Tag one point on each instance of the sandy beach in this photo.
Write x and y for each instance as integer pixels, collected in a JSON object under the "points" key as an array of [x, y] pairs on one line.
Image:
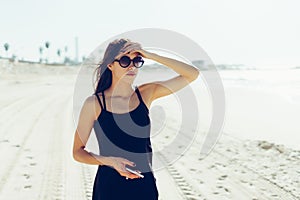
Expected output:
{"points": [[37, 126]]}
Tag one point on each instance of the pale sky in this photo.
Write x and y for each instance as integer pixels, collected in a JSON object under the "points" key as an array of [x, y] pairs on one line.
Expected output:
{"points": [[261, 33]]}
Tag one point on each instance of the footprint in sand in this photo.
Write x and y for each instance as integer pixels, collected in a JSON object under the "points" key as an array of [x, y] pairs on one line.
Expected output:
{"points": [[243, 181], [211, 166], [227, 190], [223, 177], [263, 189], [27, 186], [27, 176], [200, 181], [274, 195]]}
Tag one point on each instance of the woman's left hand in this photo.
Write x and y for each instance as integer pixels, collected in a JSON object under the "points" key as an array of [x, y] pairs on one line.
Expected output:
{"points": [[136, 47], [144, 53]]}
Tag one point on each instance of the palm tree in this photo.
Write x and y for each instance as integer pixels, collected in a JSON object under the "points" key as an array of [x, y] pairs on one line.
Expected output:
{"points": [[59, 54], [41, 49], [47, 45], [6, 47], [66, 56]]}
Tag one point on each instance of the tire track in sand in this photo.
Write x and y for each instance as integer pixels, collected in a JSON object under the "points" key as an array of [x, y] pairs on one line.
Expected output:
{"points": [[12, 157]]}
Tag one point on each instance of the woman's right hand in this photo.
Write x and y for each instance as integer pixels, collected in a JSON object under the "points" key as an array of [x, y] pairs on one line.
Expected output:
{"points": [[119, 164]]}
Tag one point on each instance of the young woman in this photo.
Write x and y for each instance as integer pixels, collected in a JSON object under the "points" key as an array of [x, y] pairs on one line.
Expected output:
{"points": [[119, 115]]}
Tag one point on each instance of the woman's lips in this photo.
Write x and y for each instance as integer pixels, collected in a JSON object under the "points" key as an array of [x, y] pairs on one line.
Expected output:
{"points": [[130, 74]]}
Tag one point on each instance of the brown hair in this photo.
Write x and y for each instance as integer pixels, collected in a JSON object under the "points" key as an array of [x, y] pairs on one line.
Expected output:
{"points": [[103, 74]]}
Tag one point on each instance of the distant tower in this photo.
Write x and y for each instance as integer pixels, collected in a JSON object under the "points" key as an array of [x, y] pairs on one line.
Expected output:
{"points": [[76, 49]]}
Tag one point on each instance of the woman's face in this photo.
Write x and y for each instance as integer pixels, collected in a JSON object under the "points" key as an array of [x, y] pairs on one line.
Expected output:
{"points": [[125, 74]]}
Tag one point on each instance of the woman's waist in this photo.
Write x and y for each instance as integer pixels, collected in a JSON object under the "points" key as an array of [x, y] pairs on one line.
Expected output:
{"points": [[108, 170], [142, 162]]}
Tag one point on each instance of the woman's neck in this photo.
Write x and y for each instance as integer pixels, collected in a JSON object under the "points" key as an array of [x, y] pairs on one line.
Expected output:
{"points": [[120, 90]]}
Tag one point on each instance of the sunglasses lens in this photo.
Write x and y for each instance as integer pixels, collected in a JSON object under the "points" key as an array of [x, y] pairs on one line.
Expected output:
{"points": [[138, 62], [125, 61]]}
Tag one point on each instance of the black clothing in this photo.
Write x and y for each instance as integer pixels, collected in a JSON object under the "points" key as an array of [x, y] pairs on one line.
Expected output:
{"points": [[125, 135]]}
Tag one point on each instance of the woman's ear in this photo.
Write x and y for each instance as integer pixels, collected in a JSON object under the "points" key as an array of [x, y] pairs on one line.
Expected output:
{"points": [[109, 67]]}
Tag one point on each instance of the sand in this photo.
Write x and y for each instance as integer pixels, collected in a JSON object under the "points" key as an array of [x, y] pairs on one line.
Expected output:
{"points": [[36, 138]]}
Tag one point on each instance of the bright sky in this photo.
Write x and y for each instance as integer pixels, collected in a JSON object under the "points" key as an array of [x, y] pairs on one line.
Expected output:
{"points": [[262, 33]]}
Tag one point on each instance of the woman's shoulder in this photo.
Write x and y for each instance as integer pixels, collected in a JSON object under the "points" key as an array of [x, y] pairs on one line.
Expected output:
{"points": [[146, 91], [91, 105], [93, 98], [145, 87]]}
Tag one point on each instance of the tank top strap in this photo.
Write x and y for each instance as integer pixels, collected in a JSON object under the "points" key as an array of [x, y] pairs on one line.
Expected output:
{"points": [[103, 97], [138, 94], [141, 99], [99, 100]]}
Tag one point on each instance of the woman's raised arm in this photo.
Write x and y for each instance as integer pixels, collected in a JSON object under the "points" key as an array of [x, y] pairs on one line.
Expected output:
{"points": [[187, 74]]}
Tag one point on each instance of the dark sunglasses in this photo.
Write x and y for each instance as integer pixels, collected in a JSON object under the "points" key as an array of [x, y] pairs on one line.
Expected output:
{"points": [[125, 61]]}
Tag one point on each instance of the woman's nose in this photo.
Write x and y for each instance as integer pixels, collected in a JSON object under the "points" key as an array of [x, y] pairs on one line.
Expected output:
{"points": [[131, 66]]}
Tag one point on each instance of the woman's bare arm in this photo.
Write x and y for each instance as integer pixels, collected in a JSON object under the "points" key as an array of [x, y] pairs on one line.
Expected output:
{"points": [[187, 74], [82, 133], [86, 121]]}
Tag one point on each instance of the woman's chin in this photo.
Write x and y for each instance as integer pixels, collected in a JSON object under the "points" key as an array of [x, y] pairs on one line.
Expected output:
{"points": [[128, 79]]}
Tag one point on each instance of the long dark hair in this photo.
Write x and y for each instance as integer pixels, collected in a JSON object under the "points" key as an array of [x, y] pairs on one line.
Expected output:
{"points": [[103, 73]]}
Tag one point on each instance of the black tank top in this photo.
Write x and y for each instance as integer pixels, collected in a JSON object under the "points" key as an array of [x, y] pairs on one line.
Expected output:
{"points": [[125, 135]]}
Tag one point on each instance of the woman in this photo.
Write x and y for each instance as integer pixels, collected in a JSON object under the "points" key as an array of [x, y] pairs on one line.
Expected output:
{"points": [[119, 115]]}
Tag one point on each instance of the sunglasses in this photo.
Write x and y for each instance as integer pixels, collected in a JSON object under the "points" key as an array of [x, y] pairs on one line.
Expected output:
{"points": [[125, 61]]}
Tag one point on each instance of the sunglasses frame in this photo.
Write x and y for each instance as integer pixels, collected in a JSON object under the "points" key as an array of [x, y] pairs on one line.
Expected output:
{"points": [[131, 60]]}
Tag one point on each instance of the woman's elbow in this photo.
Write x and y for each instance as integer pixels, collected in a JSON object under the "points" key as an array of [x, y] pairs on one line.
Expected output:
{"points": [[196, 74], [193, 77], [76, 154]]}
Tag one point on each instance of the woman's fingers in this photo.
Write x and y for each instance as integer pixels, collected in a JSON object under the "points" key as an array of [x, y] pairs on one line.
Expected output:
{"points": [[127, 162], [131, 47], [129, 175], [120, 166]]}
